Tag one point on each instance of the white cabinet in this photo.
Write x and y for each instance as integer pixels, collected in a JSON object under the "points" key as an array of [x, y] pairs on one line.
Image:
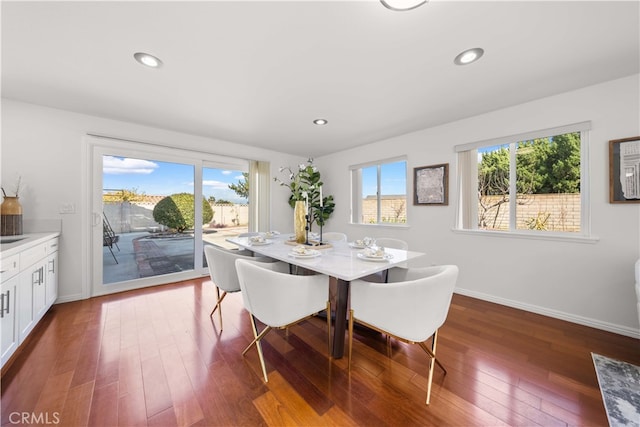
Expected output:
{"points": [[29, 288], [8, 318], [51, 280]]}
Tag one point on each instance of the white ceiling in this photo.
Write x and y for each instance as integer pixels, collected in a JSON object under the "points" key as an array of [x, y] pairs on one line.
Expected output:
{"points": [[259, 72]]}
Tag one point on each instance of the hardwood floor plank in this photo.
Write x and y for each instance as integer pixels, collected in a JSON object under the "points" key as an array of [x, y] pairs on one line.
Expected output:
{"points": [[186, 408], [104, 406], [154, 357], [273, 412], [156, 390], [131, 408], [293, 403], [77, 406]]}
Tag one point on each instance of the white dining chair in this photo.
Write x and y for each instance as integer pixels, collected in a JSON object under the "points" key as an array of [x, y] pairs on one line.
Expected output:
{"points": [[411, 307], [279, 300], [389, 242], [222, 271], [334, 236]]}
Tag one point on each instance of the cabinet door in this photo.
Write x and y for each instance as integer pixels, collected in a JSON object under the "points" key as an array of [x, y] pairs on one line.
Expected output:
{"points": [[26, 313], [39, 289], [51, 280], [8, 318]]}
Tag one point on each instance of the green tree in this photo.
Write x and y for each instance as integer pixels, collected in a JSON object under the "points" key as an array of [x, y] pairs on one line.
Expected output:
{"points": [[543, 165], [242, 187], [564, 164], [177, 212], [493, 172]]}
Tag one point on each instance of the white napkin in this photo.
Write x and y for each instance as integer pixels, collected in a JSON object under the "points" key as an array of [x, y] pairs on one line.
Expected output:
{"points": [[374, 251], [300, 250]]}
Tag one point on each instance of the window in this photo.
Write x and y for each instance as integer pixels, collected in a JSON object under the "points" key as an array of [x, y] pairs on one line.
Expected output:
{"points": [[529, 183], [379, 192]]}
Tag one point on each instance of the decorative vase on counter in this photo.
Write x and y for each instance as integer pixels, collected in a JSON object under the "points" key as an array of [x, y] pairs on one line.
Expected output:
{"points": [[10, 216], [299, 221]]}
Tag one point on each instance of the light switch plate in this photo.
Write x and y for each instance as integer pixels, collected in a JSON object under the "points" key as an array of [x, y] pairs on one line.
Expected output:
{"points": [[67, 208]]}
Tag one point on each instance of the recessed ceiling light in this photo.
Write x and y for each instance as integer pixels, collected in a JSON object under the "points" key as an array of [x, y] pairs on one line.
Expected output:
{"points": [[401, 5], [320, 122], [468, 56], [147, 60]]}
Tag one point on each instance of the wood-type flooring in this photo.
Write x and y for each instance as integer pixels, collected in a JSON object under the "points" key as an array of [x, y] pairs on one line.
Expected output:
{"points": [[154, 357]]}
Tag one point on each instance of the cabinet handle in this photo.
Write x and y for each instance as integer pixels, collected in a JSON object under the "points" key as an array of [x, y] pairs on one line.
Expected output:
{"points": [[6, 309], [52, 266], [2, 305], [41, 276]]}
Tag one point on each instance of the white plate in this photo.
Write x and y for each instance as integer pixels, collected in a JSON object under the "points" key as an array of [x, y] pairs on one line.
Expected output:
{"points": [[311, 253], [356, 246], [266, 242], [385, 257]]}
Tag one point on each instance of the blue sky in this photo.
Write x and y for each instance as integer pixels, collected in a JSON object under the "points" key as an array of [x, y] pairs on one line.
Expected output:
{"points": [[155, 178], [393, 179]]}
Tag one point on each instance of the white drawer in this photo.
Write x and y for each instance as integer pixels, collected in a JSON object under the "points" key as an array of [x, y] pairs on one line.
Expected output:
{"points": [[52, 246], [32, 255], [9, 267]]}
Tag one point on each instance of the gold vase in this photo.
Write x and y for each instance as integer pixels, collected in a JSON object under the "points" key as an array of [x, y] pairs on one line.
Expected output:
{"points": [[10, 217], [299, 221]]}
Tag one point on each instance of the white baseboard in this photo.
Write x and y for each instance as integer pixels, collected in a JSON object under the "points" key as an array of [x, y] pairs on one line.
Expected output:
{"points": [[585, 321], [69, 298]]}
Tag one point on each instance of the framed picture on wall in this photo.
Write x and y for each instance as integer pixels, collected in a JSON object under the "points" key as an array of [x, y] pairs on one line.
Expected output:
{"points": [[624, 170], [430, 185]]}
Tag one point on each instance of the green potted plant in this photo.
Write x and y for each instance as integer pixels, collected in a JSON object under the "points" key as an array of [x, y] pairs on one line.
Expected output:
{"points": [[305, 186]]}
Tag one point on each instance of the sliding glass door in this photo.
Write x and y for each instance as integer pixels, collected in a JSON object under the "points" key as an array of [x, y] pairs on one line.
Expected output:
{"points": [[154, 210]]}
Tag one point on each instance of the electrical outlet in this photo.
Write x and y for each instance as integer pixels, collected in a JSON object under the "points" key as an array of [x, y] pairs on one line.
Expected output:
{"points": [[67, 208]]}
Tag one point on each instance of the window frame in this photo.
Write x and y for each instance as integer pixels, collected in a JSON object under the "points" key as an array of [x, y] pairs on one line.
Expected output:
{"points": [[355, 172], [467, 211]]}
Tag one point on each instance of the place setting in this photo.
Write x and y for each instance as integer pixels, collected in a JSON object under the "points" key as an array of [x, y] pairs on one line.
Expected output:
{"points": [[362, 243], [259, 240], [374, 253], [302, 251]]}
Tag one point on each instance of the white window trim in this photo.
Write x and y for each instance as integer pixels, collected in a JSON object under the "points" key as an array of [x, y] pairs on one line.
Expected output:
{"points": [[584, 235]]}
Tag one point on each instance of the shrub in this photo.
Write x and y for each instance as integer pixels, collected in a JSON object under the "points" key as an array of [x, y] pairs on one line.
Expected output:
{"points": [[177, 211]]}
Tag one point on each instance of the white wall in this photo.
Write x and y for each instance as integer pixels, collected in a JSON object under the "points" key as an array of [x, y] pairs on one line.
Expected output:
{"points": [[588, 283], [44, 146]]}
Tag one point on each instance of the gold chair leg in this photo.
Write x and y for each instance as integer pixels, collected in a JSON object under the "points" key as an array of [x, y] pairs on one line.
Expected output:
{"points": [[218, 305], [350, 336], [432, 363], [433, 350], [256, 341]]}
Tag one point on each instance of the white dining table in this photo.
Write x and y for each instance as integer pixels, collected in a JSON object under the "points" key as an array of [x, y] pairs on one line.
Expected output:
{"points": [[340, 260]]}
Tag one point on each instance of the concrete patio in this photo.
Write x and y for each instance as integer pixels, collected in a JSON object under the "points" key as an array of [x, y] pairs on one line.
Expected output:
{"points": [[144, 254]]}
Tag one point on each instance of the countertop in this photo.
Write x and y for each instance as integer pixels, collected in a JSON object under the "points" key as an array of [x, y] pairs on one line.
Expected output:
{"points": [[25, 241]]}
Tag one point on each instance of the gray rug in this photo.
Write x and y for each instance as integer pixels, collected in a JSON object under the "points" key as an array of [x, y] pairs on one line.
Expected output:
{"points": [[620, 387]]}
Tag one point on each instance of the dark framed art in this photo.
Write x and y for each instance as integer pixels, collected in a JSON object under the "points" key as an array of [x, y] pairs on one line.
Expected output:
{"points": [[430, 185], [624, 170]]}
